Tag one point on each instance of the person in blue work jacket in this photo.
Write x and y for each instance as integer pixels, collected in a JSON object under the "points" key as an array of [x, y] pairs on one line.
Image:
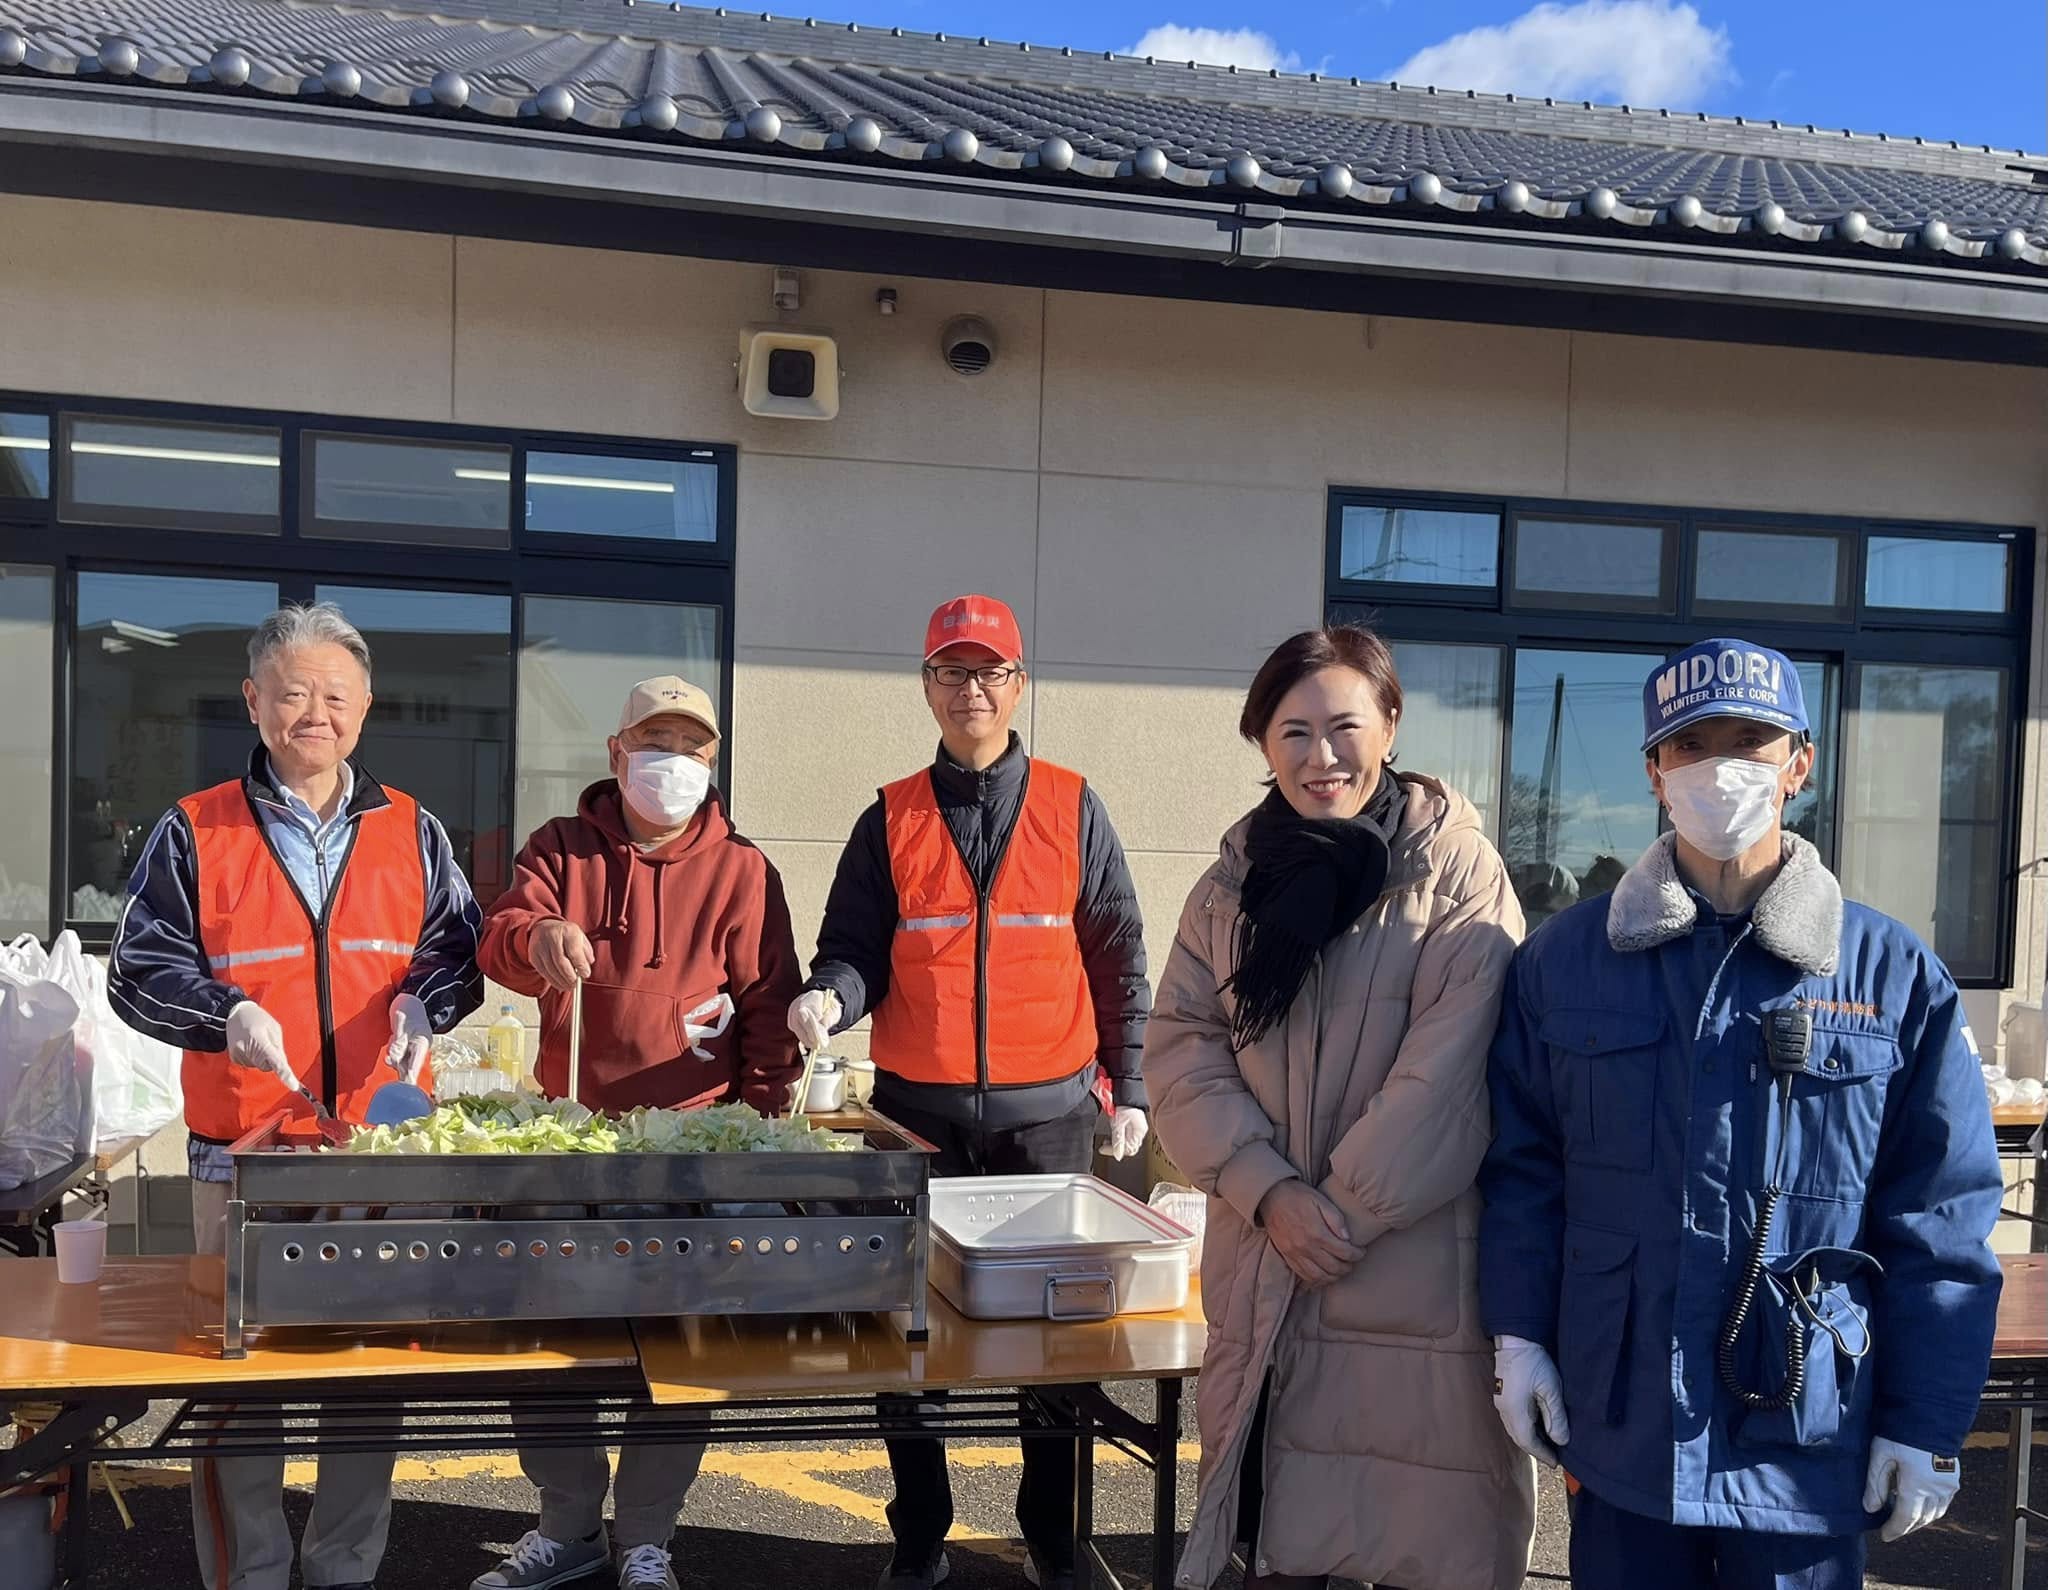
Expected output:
{"points": [[1734, 1254]]}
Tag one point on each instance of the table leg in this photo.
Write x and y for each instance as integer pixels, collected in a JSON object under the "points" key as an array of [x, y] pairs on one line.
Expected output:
{"points": [[1165, 1480], [2019, 1454], [1084, 1493], [80, 1478]]}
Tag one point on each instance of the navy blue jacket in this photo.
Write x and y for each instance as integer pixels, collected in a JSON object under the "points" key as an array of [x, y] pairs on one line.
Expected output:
{"points": [[158, 979], [1635, 1124]]}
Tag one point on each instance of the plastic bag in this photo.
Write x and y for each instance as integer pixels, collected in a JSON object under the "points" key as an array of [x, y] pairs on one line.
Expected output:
{"points": [[2026, 1040], [1185, 1207], [45, 1083], [136, 1087]]}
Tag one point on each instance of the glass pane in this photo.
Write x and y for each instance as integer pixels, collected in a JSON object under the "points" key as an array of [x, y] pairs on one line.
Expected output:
{"points": [[1450, 719], [1579, 804], [1617, 568], [1925, 791], [581, 657], [1811, 815], [654, 499], [365, 489], [1937, 576], [26, 596], [1746, 573], [440, 723], [1420, 546], [24, 457], [156, 713], [150, 472]]}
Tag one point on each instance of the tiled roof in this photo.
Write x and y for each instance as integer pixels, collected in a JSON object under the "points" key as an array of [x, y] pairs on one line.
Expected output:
{"points": [[1023, 113]]}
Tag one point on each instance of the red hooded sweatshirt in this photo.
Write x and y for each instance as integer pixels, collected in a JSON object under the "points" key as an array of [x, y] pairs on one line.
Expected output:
{"points": [[694, 969]]}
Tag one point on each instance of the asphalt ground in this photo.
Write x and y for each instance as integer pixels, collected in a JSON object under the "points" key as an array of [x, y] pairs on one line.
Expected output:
{"points": [[811, 1518]]}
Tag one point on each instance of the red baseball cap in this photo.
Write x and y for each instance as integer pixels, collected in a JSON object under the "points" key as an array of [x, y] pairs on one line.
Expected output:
{"points": [[974, 621]]}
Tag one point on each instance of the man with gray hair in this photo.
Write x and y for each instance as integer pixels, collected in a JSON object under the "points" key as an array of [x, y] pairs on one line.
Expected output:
{"points": [[302, 927]]}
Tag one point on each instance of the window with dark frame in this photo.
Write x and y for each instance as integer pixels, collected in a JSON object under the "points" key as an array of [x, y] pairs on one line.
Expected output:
{"points": [[502, 642], [1524, 630]]}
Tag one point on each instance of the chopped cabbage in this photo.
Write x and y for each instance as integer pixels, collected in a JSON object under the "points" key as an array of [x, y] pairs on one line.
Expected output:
{"points": [[523, 1123]]}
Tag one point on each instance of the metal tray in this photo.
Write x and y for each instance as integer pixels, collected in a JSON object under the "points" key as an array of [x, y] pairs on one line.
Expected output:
{"points": [[320, 1237], [1058, 1247]]}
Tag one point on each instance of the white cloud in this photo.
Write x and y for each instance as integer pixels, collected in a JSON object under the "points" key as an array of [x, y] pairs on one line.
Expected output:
{"points": [[1216, 47], [1638, 52]]}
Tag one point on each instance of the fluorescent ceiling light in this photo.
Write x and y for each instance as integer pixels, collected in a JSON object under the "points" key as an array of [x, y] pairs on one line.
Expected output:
{"points": [[142, 632], [32, 444], [593, 482], [173, 455]]}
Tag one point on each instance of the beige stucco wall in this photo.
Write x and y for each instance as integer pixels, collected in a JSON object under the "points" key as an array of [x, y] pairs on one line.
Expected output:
{"points": [[1144, 480]]}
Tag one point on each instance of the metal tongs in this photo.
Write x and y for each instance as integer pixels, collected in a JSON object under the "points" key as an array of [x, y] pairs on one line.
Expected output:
{"points": [[282, 1070]]}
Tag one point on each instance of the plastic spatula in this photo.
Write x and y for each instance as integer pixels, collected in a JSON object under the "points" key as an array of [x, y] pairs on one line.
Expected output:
{"points": [[395, 1103]]}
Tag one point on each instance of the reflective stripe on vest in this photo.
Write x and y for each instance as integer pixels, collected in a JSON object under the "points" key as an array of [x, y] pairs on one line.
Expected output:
{"points": [[375, 947], [334, 1007], [1024, 953], [228, 962]]}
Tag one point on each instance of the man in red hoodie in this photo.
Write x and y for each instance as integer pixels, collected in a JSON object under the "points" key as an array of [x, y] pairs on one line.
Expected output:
{"points": [[678, 931]]}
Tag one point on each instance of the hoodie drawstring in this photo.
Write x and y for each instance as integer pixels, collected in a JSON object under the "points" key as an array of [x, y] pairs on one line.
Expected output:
{"points": [[660, 915]]}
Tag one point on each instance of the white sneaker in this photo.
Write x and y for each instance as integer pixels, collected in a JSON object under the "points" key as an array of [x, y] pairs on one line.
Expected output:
{"points": [[537, 1563], [646, 1568]]}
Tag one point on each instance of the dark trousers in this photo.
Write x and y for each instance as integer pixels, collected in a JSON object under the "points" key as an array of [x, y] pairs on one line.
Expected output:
{"points": [[922, 1511], [1613, 1549]]}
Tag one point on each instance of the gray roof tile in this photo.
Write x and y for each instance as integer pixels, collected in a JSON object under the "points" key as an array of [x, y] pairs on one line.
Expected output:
{"points": [[1022, 113]]}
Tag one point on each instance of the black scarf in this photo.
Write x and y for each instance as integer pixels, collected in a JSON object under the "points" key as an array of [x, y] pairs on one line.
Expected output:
{"points": [[1310, 878]]}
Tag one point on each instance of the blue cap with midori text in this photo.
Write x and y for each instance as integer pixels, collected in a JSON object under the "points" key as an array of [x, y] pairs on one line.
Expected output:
{"points": [[1722, 679]]}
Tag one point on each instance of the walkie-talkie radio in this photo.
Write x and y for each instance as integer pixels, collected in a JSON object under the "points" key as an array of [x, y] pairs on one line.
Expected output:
{"points": [[1788, 1044]]}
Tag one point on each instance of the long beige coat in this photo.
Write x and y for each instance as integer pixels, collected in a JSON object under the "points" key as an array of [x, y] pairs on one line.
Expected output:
{"points": [[1384, 1458]]}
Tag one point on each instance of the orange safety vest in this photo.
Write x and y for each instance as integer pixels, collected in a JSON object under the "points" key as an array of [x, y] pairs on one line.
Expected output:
{"points": [[986, 991], [329, 982]]}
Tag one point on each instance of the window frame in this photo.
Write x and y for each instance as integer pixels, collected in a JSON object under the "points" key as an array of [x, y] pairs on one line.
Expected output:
{"points": [[393, 533], [36, 533], [1475, 616], [1671, 594], [71, 513]]}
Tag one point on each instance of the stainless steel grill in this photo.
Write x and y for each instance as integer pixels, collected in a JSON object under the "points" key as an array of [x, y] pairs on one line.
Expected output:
{"points": [[330, 1238]]}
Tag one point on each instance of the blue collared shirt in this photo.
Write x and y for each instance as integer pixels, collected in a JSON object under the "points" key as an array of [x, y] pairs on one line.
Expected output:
{"points": [[310, 849]]}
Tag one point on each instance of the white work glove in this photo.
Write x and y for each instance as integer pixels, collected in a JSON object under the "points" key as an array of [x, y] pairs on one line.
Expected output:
{"points": [[1526, 1383], [412, 1034], [1128, 1130], [256, 1040], [812, 1017], [1925, 1485]]}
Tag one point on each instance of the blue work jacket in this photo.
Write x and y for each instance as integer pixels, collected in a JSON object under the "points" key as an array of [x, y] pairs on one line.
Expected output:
{"points": [[1636, 1124]]}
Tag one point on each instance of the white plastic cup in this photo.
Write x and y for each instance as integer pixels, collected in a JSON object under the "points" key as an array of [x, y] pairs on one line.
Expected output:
{"points": [[81, 1250]]}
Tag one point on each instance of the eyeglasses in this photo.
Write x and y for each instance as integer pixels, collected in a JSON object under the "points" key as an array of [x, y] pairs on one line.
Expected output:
{"points": [[953, 677]]}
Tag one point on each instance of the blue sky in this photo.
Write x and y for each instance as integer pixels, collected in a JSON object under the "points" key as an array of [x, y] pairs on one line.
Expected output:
{"points": [[1974, 70]]}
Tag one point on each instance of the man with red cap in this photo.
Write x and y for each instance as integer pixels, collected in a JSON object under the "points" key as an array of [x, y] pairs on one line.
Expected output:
{"points": [[984, 916]]}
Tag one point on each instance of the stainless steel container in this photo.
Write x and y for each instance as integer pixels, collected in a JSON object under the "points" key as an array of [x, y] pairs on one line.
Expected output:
{"points": [[1058, 1247]]}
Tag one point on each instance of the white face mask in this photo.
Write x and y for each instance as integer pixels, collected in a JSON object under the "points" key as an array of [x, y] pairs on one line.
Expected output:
{"points": [[664, 788], [1724, 805]]}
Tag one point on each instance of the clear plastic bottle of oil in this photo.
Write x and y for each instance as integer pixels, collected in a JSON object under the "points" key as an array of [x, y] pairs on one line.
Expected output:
{"points": [[505, 1046]]}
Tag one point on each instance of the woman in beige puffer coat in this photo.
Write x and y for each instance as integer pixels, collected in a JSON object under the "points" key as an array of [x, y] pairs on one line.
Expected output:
{"points": [[1338, 1149]]}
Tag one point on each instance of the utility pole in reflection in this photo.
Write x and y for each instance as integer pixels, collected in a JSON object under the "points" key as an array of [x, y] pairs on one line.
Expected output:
{"points": [[1547, 803]]}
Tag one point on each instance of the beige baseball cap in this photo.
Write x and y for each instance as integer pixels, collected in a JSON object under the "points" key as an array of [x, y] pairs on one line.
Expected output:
{"points": [[654, 698]]}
